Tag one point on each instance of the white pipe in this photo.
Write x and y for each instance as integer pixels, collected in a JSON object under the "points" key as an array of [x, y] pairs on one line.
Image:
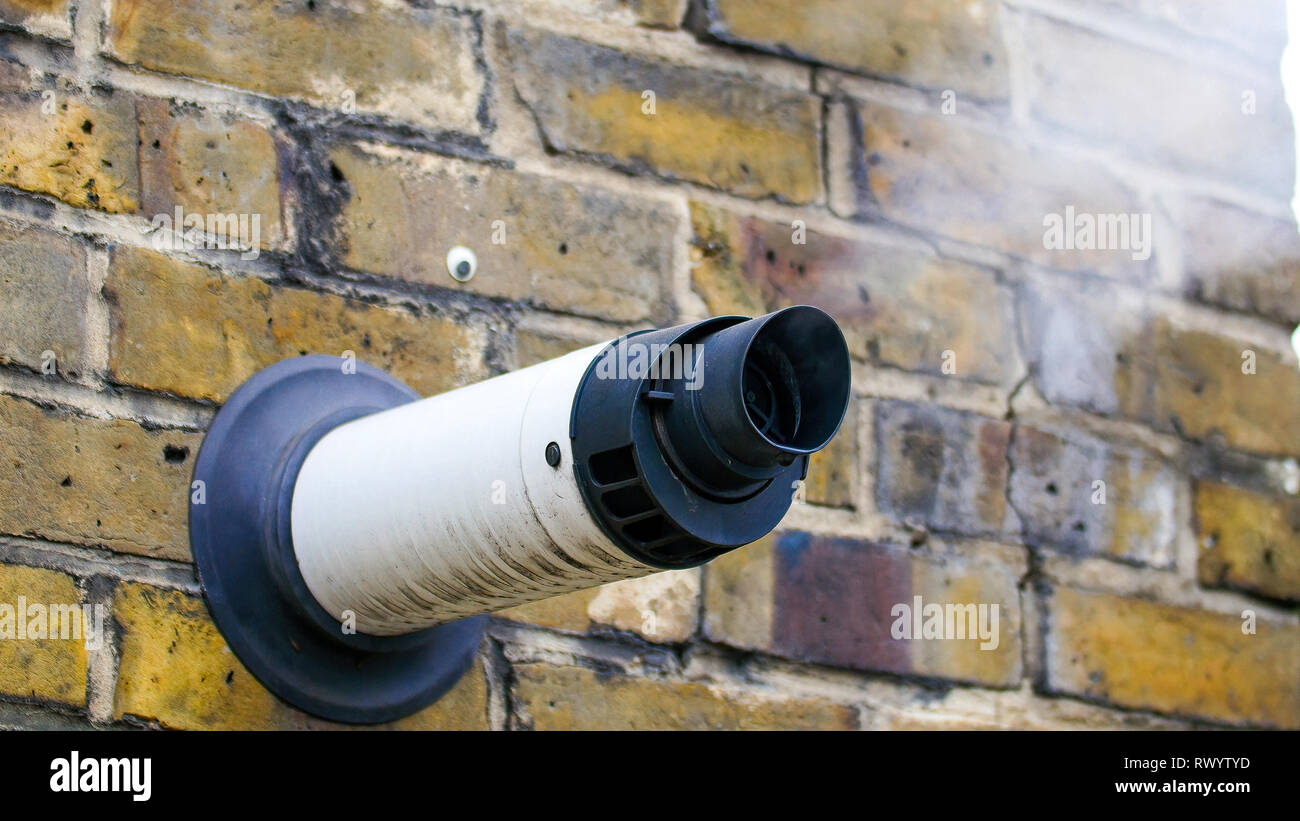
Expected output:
{"points": [[446, 507]]}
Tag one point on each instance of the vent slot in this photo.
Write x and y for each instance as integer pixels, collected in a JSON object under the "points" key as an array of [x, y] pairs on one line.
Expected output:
{"points": [[628, 501], [652, 529], [612, 466]]}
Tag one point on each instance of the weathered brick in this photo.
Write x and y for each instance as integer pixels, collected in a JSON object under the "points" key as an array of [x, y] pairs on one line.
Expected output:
{"points": [[48, 18], [234, 326], [1099, 350], [1197, 387], [412, 63], [1161, 108], [567, 612], [1079, 342], [46, 293], [832, 601], [573, 698], [209, 163], [1257, 26], [1000, 196], [177, 670], [832, 473], [1249, 541], [1241, 261], [664, 14], [49, 669], [661, 607], [933, 43], [82, 152], [1141, 654], [711, 128], [944, 469], [94, 481], [740, 596], [1132, 515], [533, 347], [897, 308], [567, 247]]}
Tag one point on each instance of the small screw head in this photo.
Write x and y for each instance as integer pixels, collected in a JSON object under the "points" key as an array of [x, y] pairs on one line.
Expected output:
{"points": [[553, 455]]}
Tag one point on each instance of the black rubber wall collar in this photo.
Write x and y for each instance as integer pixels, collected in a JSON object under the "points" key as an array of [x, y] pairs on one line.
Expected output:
{"points": [[242, 541]]}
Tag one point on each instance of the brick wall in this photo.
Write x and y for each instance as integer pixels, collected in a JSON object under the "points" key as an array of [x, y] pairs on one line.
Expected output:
{"points": [[893, 163]]}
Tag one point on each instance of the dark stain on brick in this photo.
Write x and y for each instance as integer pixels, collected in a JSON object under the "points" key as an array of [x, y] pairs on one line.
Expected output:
{"points": [[916, 487]]}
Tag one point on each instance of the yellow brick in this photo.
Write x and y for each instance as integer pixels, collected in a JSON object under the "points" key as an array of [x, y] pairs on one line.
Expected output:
{"points": [[572, 248], [52, 669], [832, 473], [659, 13], [1248, 540], [532, 348], [567, 612], [184, 329], [571, 698], [95, 481], [177, 670], [1141, 654], [1193, 381], [82, 152], [946, 44], [710, 128], [416, 64]]}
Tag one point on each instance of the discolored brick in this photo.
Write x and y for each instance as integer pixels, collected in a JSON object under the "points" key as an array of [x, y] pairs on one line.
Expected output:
{"points": [[938, 174], [1088, 497], [833, 601], [45, 289], [719, 130], [208, 163], [1177, 112], [898, 308], [1241, 261], [941, 468]]}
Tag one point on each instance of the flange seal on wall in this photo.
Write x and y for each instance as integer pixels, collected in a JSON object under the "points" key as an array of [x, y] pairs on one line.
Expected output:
{"points": [[242, 543]]}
